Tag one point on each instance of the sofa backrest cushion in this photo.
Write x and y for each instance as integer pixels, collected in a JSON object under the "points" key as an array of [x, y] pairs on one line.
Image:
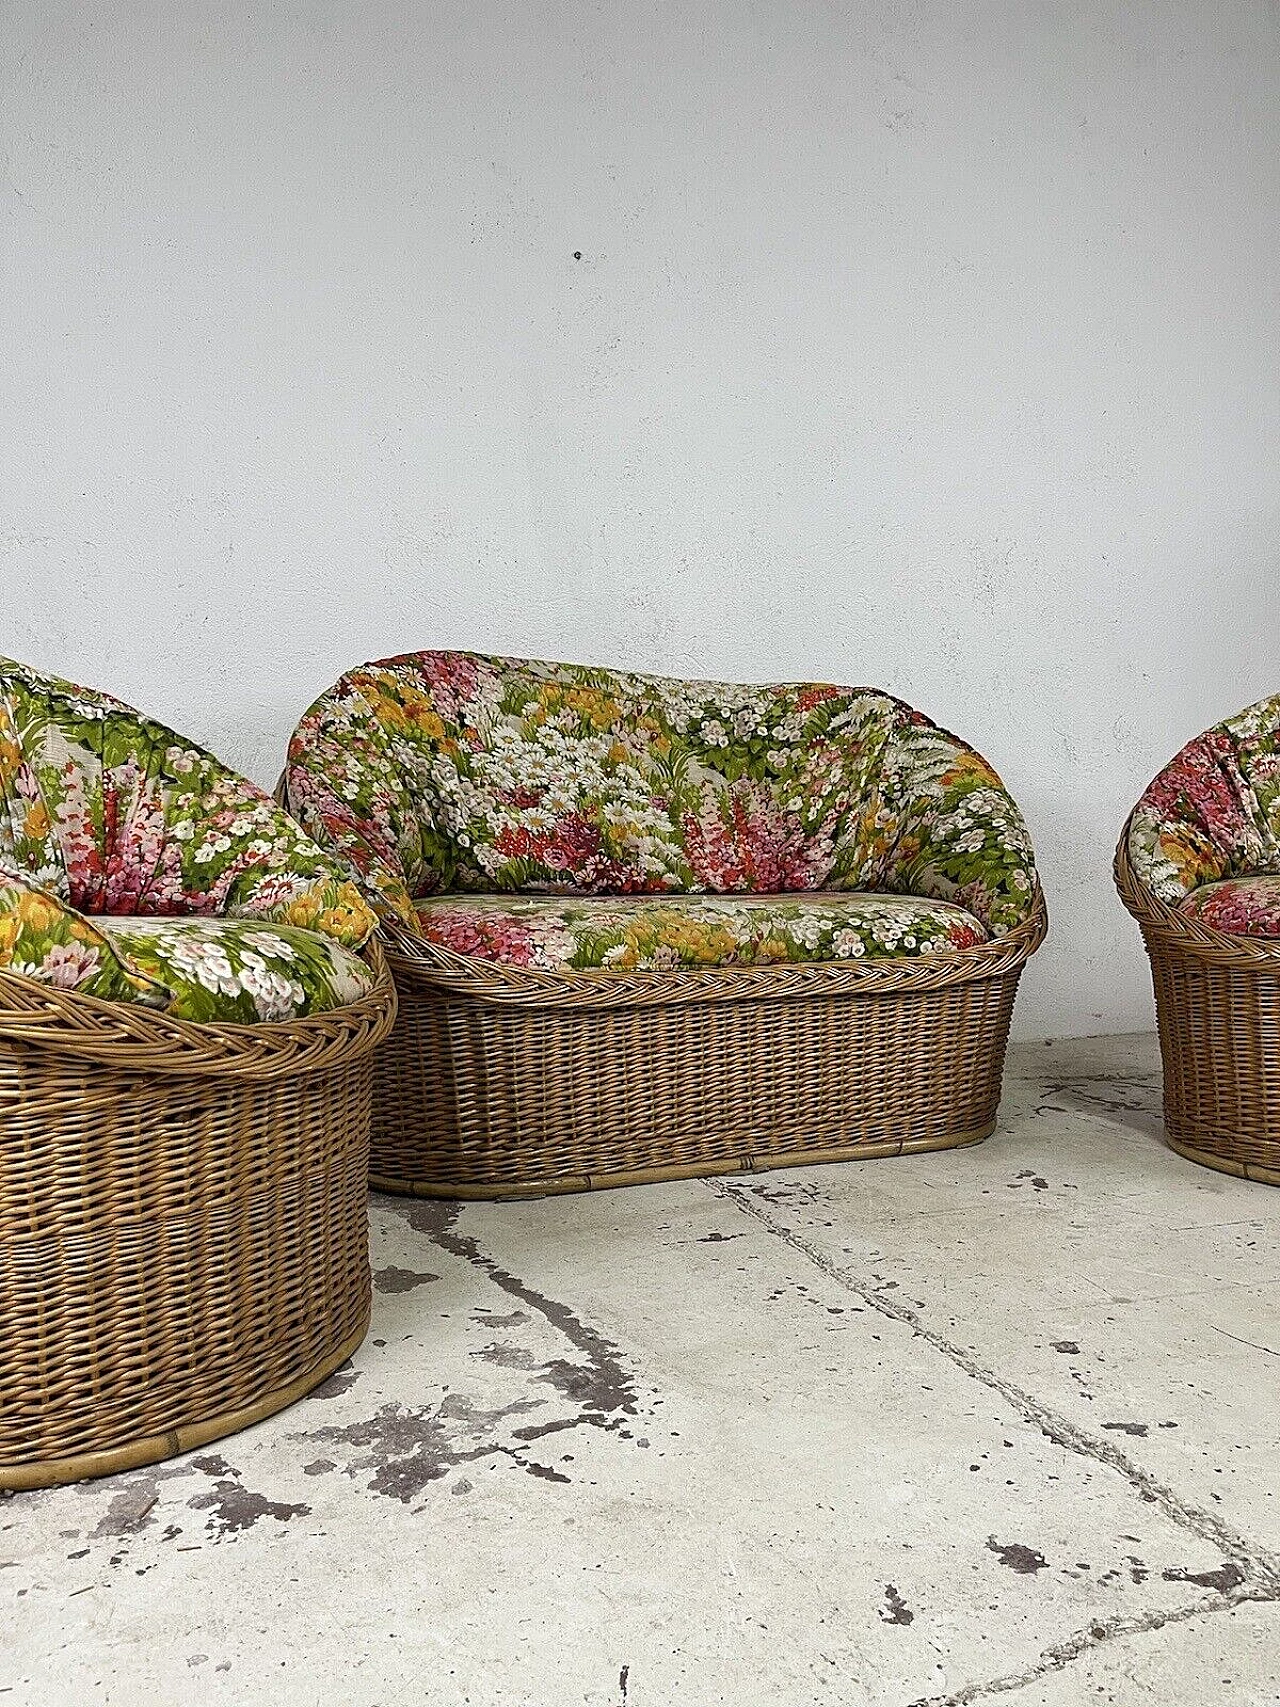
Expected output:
{"points": [[451, 770]]}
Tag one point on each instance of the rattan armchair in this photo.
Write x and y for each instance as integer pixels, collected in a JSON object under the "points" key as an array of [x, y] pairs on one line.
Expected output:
{"points": [[643, 929], [183, 1232], [1198, 866]]}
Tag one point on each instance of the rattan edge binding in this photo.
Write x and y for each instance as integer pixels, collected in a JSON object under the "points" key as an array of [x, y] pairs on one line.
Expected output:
{"points": [[751, 1162], [1169, 925], [127, 1035], [489, 982], [1223, 1164], [152, 1449]]}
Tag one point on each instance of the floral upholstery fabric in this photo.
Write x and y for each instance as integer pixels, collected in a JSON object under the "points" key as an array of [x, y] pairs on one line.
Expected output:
{"points": [[1241, 906], [446, 772], [237, 971], [644, 932], [1213, 813], [105, 815]]}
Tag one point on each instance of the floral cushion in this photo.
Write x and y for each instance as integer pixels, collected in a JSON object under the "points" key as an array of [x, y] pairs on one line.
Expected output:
{"points": [[449, 771], [105, 814], [560, 932], [237, 971], [1214, 811], [1243, 906]]}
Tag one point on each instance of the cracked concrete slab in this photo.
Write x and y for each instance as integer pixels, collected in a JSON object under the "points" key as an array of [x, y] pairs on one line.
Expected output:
{"points": [[992, 1424]]}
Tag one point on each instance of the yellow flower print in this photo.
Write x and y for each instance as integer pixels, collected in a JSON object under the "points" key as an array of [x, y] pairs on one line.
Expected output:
{"points": [[969, 766], [36, 823], [37, 913]]}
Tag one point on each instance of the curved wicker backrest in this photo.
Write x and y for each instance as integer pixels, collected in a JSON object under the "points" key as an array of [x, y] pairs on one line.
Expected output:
{"points": [[453, 770]]}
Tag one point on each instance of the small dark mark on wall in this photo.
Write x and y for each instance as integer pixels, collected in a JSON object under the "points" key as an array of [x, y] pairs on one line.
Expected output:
{"points": [[1068, 1347], [1139, 1431]]}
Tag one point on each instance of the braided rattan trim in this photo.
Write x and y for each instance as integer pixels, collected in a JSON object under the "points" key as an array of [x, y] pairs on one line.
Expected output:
{"points": [[486, 981], [749, 1162], [133, 1038], [1168, 926]]}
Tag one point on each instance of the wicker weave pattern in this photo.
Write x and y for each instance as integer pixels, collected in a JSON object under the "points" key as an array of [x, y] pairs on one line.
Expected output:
{"points": [[500, 1081], [1218, 1015], [183, 1239]]}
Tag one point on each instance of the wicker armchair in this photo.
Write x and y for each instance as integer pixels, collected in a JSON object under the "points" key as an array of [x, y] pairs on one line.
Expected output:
{"points": [[189, 1006], [1198, 866], [643, 928]]}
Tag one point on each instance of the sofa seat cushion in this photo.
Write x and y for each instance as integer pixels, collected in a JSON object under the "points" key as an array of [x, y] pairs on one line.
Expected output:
{"points": [[1241, 906], [624, 933]]}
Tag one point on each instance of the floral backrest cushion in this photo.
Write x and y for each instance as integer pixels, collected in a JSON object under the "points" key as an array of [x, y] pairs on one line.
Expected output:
{"points": [[103, 811], [455, 771], [1214, 811]]}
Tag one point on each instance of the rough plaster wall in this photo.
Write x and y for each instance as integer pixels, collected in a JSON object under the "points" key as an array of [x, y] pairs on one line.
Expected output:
{"points": [[926, 345]]}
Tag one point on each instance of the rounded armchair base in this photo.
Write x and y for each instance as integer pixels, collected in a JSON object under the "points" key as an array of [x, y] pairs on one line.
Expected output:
{"points": [[1218, 1016], [183, 1226], [504, 1082], [187, 1437]]}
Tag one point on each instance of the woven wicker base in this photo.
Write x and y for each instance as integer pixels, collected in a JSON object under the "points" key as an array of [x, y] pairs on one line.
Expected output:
{"points": [[157, 1447], [183, 1229], [1218, 1014], [499, 1082]]}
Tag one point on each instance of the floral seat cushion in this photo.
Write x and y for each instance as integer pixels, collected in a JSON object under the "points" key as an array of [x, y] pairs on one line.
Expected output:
{"points": [[1213, 813], [1241, 906], [239, 972], [107, 817], [642, 932], [447, 772]]}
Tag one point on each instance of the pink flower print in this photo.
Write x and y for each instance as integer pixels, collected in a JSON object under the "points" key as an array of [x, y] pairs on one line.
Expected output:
{"points": [[66, 965]]}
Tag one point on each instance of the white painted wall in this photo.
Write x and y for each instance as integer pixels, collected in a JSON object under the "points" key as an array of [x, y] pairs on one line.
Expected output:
{"points": [[931, 345]]}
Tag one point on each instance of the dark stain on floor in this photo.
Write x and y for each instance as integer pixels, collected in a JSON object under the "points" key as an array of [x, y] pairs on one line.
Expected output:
{"points": [[1228, 1576], [600, 1383], [1025, 1560], [408, 1449], [895, 1610], [395, 1280], [232, 1507], [334, 1386]]}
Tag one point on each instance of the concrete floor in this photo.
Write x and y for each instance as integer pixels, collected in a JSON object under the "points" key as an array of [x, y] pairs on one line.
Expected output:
{"points": [[995, 1424]]}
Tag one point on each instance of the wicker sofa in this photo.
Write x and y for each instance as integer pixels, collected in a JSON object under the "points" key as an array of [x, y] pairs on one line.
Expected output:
{"points": [[643, 928], [1198, 866], [190, 999]]}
